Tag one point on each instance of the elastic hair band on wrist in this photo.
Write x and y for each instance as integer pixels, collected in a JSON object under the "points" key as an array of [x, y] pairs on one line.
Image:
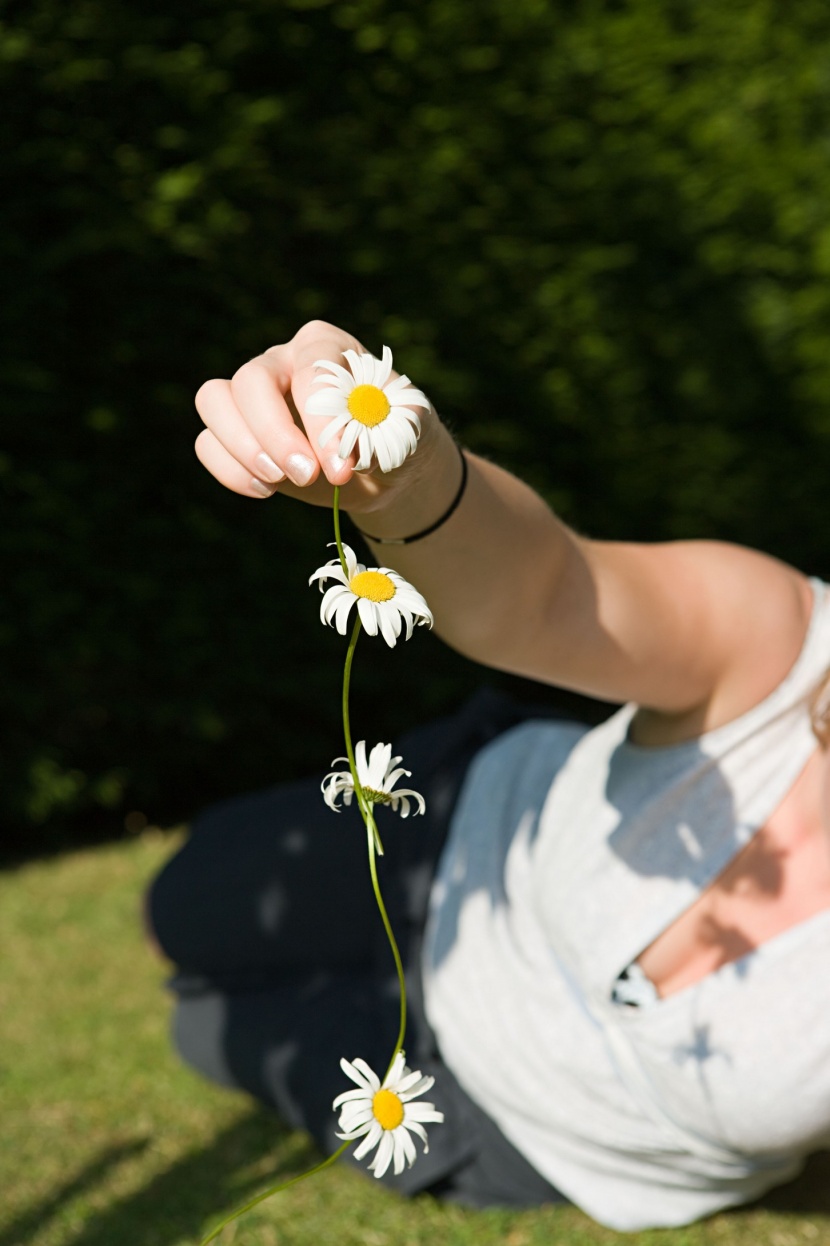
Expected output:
{"points": [[418, 536]]}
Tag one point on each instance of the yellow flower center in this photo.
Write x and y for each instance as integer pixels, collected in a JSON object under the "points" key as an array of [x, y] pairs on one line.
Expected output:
{"points": [[372, 584], [388, 1109], [368, 405]]}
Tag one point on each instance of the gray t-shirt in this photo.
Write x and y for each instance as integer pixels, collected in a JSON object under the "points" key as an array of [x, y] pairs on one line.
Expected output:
{"points": [[570, 851]]}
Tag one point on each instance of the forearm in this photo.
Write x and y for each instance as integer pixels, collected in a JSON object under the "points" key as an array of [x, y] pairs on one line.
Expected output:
{"points": [[486, 572], [695, 631], [675, 627]]}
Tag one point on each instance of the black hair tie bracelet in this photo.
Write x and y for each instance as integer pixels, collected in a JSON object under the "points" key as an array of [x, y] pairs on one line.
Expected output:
{"points": [[417, 536]]}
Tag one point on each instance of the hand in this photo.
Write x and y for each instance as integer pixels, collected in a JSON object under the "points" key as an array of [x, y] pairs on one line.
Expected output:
{"points": [[258, 438]]}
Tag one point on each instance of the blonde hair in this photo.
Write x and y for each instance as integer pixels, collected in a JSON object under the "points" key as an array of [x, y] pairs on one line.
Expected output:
{"points": [[820, 710]]}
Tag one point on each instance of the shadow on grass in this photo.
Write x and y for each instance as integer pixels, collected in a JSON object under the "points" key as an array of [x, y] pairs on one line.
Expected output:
{"points": [[808, 1195], [199, 1188], [195, 1191], [27, 1224]]}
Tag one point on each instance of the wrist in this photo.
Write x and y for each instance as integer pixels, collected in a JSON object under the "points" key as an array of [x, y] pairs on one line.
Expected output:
{"points": [[412, 537], [419, 497]]}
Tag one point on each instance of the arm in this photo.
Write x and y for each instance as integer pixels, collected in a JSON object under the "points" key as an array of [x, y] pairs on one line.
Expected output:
{"points": [[694, 632]]}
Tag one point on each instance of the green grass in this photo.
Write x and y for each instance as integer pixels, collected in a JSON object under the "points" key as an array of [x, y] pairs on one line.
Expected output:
{"points": [[106, 1140]]}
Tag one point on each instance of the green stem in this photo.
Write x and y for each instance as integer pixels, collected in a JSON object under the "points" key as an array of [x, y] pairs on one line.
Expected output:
{"points": [[273, 1189], [365, 805], [337, 540], [393, 944]]}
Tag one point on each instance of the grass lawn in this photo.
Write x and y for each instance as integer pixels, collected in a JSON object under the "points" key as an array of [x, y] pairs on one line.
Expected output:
{"points": [[107, 1141]]}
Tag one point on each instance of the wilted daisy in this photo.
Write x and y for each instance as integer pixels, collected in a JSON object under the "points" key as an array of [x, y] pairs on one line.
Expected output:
{"points": [[377, 778], [368, 409], [385, 1113], [384, 599]]}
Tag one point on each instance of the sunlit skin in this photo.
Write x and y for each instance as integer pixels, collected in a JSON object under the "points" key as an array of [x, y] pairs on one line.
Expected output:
{"points": [[781, 878]]}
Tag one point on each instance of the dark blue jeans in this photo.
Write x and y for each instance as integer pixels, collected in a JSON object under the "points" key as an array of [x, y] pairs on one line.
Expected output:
{"points": [[284, 967]]}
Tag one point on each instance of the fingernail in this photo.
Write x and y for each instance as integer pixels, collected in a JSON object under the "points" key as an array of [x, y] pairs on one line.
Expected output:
{"points": [[300, 469], [267, 468], [336, 463], [257, 486]]}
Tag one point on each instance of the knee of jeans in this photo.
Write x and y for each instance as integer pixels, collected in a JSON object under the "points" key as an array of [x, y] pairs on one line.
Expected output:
{"points": [[198, 1032], [162, 909]]}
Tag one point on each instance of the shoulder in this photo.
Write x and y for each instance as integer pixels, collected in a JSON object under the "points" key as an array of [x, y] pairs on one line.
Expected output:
{"points": [[764, 609]]}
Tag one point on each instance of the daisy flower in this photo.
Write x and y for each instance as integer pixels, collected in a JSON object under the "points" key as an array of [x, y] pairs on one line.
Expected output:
{"points": [[385, 600], [368, 409], [384, 1115], [377, 778]]}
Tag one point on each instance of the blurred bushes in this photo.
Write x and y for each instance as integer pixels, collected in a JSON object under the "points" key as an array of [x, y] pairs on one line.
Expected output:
{"points": [[597, 233]]}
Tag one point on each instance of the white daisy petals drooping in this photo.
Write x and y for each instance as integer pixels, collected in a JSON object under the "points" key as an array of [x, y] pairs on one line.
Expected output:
{"points": [[377, 777], [368, 409], [384, 1115], [385, 600]]}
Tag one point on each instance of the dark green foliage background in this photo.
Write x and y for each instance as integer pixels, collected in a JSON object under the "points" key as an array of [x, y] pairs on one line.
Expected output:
{"points": [[598, 234]]}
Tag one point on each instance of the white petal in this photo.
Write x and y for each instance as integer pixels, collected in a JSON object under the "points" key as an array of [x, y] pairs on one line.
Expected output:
{"points": [[349, 1096], [355, 362], [381, 1161], [331, 571], [388, 619], [407, 618], [406, 441], [393, 389], [376, 769], [326, 402], [383, 368], [345, 378], [350, 1137], [401, 392], [364, 442], [349, 437], [368, 615], [354, 1116], [372, 1138], [405, 417], [408, 593], [399, 1152], [406, 794], [332, 428], [330, 600], [352, 565], [407, 1145], [359, 1071], [330, 796], [362, 769], [396, 1072], [417, 1129], [425, 1112], [412, 1079], [386, 462], [342, 611]]}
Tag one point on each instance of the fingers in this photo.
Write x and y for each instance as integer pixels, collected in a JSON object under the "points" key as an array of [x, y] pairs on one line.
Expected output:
{"points": [[220, 414], [227, 470], [260, 433], [320, 340], [258, 393]]}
